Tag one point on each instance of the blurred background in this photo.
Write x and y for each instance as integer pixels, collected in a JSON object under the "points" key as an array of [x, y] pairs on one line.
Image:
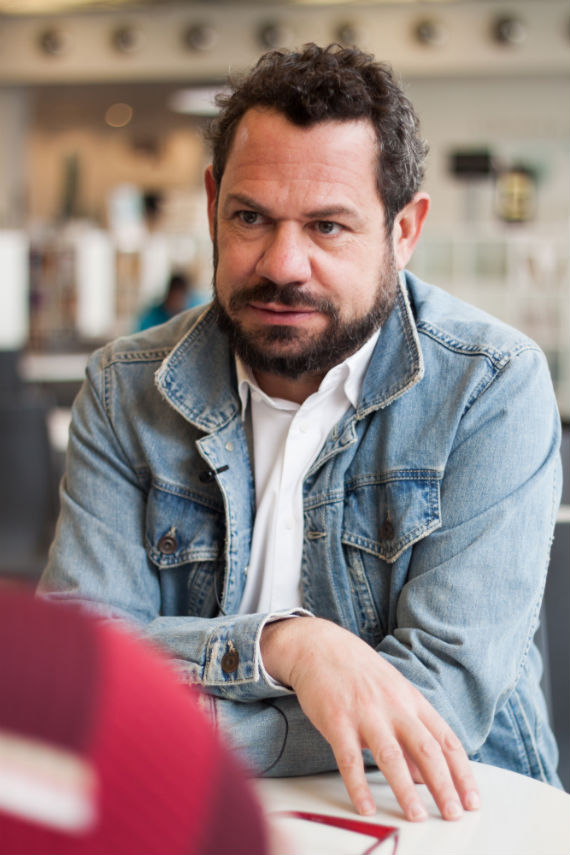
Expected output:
{"points": [[102, 111]]}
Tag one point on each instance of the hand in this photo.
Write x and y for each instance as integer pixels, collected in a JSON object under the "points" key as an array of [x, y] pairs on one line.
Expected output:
{"points": [[358, 700]]}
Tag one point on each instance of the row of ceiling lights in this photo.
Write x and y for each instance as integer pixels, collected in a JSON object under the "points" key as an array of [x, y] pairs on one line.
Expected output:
{"points": [[56, 41]]}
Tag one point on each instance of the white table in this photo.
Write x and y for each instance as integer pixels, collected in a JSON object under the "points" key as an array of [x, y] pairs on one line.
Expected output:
{"points": [[519, 816]]}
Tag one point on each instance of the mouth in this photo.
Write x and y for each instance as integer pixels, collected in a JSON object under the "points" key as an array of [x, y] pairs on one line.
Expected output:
{"points": [[279, 314]]}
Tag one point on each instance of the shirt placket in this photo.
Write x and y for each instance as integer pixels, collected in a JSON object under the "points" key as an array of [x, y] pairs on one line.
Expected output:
{"points": [[288, 519]]}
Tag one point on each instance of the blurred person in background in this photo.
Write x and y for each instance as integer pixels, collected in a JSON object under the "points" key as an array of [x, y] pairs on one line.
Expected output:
{"points": [[179, 296]]}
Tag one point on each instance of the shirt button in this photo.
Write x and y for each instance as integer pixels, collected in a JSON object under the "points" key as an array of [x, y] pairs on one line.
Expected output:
{"points": [[230, 661], [229, 446], [167, 544], [387, 530]]}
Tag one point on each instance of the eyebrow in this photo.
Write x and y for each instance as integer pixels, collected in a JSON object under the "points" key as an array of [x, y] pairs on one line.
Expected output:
{"points": [[316, 214]]}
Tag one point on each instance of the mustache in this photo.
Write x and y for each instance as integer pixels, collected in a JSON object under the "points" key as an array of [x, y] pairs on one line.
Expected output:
{"points": [[286, 295]]}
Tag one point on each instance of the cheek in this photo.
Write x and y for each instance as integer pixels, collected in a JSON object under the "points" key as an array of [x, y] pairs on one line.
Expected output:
{"points": [[349, 285], [235, 258], [360, 303]]}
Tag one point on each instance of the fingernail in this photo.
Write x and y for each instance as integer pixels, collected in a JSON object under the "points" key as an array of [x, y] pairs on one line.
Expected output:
{"points": [[417, 811], [472, 800], [367, 807], [453, 810]]}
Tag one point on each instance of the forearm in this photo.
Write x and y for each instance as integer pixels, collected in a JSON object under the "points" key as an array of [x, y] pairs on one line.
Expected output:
{"points": [[222, 654], [466, 617], [274, 737]]}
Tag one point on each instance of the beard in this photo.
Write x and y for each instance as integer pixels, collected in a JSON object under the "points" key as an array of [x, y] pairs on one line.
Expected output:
{"points": [[290, 352]]}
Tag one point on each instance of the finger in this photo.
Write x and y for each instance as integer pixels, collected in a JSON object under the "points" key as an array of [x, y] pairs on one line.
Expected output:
{"points": [[350, 764], [414, 771], [427, 754], [394, 765], [456, 773], [460, 770]]}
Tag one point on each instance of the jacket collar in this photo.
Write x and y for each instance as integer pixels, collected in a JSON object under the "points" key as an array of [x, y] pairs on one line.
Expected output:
{"points": [[397, 363], [198, 377]]}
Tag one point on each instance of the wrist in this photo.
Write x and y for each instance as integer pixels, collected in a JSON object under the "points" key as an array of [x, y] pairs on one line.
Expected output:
{"points": [[279, 646]]}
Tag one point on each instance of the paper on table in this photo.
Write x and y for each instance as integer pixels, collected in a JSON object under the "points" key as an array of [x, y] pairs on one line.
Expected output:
{"points": [[332, 835]]}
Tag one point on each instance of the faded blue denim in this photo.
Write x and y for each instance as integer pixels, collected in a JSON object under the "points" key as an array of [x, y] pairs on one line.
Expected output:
{"points": [[428, 519]]}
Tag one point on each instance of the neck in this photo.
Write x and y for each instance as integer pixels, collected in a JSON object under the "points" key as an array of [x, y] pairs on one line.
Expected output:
{"points": [[297, 390]]}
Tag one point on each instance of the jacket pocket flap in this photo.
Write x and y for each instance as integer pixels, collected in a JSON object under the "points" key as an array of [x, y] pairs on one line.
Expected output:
{"points": [[182, 526], [386, 514]]}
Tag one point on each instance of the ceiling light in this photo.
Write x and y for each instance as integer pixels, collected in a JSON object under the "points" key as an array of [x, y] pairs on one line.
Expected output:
{"points": [[201, 37], [195, 101], [118, 115], [53, 7]]}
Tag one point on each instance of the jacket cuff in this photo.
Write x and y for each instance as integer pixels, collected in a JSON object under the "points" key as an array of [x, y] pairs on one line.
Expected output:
{"points": [[234, 668]]}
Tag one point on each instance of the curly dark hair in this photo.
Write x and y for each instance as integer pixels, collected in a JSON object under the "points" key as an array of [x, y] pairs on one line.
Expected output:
{"points": [[332, 83]]}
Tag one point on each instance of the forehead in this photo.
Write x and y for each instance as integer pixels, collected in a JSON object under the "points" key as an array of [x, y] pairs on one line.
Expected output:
{"points": [[267, 147]]}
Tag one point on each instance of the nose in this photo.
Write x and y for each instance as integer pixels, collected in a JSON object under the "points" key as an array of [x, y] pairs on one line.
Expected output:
{"points": [[285, 257]]}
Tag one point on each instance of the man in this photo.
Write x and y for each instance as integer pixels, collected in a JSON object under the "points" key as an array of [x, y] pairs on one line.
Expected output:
{"points": [[330, 494]]}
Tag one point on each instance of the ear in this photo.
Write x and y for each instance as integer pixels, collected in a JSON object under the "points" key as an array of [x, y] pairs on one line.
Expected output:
{"points": [[212, 196], [408, 226]]}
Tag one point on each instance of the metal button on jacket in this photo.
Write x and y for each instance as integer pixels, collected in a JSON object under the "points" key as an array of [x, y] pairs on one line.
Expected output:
{"points": [[387, 530], [168, 544], [230, 661]]}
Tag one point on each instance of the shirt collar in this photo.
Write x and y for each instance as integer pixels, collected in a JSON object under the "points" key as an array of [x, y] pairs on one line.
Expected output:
{"points": [[349, 374]]}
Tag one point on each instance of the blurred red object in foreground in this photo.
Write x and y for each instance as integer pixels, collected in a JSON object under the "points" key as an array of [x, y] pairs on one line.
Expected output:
{"points": [[102, 751]]}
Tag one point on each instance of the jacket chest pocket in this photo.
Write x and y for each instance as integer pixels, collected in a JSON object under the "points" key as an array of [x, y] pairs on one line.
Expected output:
{"points": [[185, 535], [385, 515], [383, 518]]}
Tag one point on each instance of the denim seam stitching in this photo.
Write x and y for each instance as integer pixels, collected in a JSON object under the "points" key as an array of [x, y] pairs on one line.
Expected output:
{"points": [[181, 492], [390, 556], [317, 500], [136, 356], [516, 732], [531, 737], [371, 619], [203, 554], [499, 358]]}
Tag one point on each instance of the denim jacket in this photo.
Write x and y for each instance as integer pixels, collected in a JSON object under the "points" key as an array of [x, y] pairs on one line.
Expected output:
{"points": [[428, 518]]}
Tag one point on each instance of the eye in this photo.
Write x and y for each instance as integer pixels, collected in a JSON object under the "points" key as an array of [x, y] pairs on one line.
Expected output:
{"points": [[327, 227], [249, 218]]}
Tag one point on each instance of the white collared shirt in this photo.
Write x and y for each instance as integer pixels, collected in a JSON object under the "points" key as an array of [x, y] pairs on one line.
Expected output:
{"points": [[287, 438]]}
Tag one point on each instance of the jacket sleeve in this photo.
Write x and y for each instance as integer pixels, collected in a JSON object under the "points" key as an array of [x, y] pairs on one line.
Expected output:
{"points": [[468, 612], [98, 558]]}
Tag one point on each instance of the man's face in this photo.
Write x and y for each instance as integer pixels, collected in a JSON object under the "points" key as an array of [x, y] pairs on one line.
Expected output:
{"points": [[304, 269]]}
